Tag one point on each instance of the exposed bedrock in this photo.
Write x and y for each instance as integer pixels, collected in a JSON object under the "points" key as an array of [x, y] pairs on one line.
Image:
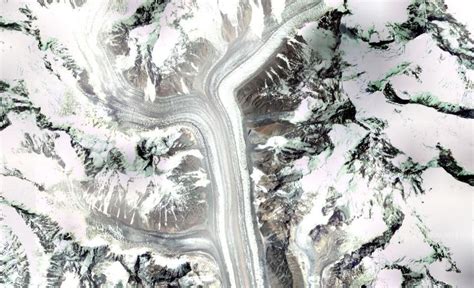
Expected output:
{"points": [[264, 143], [297, 72], [295, 106]]}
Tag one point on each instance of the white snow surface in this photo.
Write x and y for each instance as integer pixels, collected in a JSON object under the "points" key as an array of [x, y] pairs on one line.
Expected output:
{"points": [[387, 278], [278, 6], [315, 186], [462, 11], [375, 14], [447, 209], [412, 121], [304, 110], [38, 262]]}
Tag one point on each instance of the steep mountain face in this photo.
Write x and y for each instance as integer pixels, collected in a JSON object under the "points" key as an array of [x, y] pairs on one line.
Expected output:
{"points": [[341, 182], [236, 143]]}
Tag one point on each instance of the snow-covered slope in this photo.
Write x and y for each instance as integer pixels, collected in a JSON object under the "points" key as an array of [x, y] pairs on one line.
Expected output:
{"points": [[236, 143], [348, 127]]}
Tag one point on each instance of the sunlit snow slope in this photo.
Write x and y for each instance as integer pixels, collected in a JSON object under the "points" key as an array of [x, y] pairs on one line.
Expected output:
{"points": [[236, 143]]}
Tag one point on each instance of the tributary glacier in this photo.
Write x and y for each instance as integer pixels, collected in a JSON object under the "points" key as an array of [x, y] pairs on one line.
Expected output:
{"points": [[236, 143]]}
